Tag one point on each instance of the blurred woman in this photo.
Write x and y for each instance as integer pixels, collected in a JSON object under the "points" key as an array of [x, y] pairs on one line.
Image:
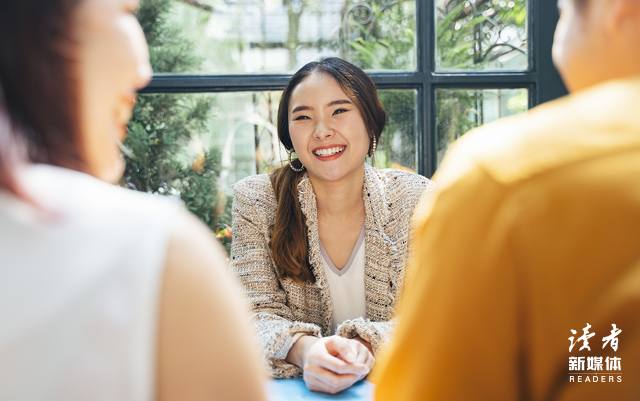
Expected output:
{"points": [[321, 244], [105, 293]]}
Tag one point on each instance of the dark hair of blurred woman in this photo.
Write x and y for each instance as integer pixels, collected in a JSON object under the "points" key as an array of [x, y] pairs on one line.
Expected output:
{"points": [[37, 80]]}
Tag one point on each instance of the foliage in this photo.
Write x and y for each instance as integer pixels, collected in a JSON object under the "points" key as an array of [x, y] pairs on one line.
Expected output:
{"points": [[388, 43], [456, 114], [163, 153], [479, 35], [485, 34]]}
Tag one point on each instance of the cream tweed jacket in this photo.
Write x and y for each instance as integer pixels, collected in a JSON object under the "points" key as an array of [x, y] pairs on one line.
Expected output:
{"points": [[282, 308]]}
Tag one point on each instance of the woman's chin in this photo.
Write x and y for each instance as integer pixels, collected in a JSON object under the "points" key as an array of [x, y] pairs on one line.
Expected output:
{"points": [[333, 174]]}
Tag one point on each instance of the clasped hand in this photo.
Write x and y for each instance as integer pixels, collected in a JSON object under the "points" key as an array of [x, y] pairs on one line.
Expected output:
{"points": [[331, 364]]}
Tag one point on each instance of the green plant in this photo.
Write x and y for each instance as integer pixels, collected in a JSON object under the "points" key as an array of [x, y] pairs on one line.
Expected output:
{"points": [[387, 42], [479, 35], [163, 151]]}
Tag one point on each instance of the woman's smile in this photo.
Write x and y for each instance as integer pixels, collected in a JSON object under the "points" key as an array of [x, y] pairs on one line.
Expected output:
{"points": [[329, 152]]}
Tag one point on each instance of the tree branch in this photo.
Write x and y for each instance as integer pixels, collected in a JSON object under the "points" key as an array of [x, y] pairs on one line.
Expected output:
{"points": [[468, 10], [199, 5]]}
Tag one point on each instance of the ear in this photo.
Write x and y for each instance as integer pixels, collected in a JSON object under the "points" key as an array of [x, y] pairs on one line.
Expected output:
{"points": [[623, 17]]}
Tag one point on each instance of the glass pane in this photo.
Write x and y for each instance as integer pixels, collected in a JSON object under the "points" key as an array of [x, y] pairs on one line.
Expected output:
{"points": [[460, 110], [195, 147], [277, 36], [397, 147], [481, 35]]}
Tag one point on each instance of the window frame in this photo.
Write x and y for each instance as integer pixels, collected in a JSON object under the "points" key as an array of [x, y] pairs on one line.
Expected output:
{"points": [[541, 79]]}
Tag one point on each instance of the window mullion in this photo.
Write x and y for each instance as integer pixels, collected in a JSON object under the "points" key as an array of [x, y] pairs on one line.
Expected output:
{"points": [[426, 101], [544, 18], [259, 83]]}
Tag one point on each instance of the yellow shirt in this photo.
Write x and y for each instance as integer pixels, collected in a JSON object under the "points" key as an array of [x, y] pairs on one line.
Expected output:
{"points": [[534, 232]]}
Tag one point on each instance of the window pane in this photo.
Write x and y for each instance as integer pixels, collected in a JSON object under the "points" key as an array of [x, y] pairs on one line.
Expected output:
{"points": [[461, 110], [481, 35], [197, 146], [277, 36], [397, 147]]}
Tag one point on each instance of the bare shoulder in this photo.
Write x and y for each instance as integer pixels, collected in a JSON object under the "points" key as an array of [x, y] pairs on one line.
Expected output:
{"points": [[191, 239], [196, 267], [202, 322]]}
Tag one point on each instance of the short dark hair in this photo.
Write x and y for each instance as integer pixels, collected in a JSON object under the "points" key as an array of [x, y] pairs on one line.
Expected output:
{"points": [[39, 81]]}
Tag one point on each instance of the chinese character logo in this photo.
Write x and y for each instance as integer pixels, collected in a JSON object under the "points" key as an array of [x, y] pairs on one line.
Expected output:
{"points": [[613, 338], [613, 363], [591, 368], [585, 337], [594, 363]]}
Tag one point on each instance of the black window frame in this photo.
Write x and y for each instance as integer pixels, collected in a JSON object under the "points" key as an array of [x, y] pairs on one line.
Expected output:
{"points": [[541, 79]]}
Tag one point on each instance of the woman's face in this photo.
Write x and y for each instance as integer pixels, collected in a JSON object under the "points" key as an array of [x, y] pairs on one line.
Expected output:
{"points": [[113, 63], [327, 131]]}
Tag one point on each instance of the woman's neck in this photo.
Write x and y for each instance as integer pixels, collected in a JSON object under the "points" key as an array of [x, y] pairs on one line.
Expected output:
{"points": [[342, 198]]}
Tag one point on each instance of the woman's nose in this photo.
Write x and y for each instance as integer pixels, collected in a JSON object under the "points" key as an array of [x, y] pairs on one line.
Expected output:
{"points": [[323, 131]]}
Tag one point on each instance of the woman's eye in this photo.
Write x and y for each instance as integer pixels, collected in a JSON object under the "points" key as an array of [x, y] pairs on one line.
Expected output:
{"points": [[340, 111], [301, 118]]}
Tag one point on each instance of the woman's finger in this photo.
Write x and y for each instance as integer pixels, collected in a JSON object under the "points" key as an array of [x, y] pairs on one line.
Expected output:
{"points": [[314, 384], [362, 354], [341, 348], [330, 383], [329, 377], [336, 365], [324, 359], [371, 360]]}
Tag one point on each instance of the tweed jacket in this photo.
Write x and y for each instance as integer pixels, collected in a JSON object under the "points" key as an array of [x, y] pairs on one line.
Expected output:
{"points": [[280, 309]]}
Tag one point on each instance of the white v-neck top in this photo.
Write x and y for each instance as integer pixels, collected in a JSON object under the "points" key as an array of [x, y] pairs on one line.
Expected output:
{"points": [[346, 286]]}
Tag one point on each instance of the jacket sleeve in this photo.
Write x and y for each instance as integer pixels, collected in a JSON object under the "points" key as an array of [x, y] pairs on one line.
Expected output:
{"points": [[251, 262], [375, 333]]}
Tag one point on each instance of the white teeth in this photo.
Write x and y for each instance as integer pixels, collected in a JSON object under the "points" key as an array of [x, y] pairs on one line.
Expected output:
{"points": [[328, 152]]}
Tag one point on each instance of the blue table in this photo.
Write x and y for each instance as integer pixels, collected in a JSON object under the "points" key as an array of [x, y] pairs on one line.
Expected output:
{"points": [[296, 390]]}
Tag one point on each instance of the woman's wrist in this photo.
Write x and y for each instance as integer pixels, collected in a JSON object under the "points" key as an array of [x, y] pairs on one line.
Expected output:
{"points": [[298, 353]]}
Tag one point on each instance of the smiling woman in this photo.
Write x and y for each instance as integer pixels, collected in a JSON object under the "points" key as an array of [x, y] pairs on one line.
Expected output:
{"points": [[321, 244]]}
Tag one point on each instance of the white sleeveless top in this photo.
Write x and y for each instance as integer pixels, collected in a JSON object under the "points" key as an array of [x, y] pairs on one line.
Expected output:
{"points": [[346, 286], [79, 288]]}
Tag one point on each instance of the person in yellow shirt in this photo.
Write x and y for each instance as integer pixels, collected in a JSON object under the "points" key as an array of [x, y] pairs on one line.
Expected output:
{"points": [[526, 282]]}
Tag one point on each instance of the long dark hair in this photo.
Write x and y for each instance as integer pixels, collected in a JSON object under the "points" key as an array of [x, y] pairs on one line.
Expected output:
{"points": [[38, 80], [288, 244]]}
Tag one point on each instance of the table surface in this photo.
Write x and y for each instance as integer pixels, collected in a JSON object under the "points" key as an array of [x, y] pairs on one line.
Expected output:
{"points": [[296, 390]]}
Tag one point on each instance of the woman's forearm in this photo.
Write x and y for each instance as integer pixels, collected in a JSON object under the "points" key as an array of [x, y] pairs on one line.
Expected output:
{"points": [[297, 353]]}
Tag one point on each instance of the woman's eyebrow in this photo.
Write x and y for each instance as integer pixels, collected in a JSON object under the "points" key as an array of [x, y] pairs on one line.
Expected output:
{"points": [[300, 108], [341, 101], [333, 103]]}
